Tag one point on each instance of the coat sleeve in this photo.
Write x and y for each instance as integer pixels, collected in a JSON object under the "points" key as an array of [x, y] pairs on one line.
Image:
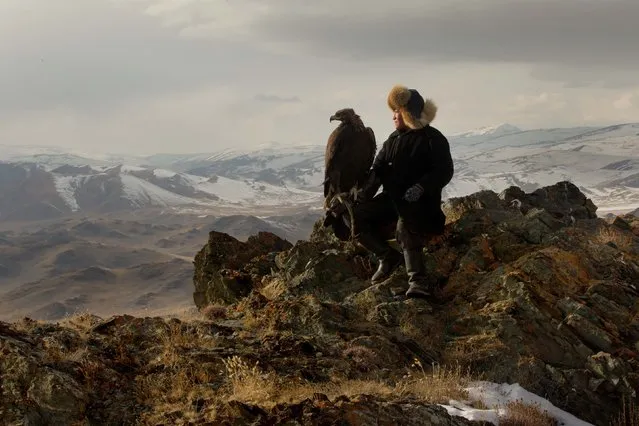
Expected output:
{"points": [[442, 169], [380, 163], [376, 172]]}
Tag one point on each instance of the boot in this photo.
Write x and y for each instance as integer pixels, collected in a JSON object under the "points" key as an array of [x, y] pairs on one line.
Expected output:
{"points": [[389, 258], [419, 285]]}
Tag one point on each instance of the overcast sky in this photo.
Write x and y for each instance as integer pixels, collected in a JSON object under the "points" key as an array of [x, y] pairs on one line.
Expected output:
{"points": [[146, 76]]}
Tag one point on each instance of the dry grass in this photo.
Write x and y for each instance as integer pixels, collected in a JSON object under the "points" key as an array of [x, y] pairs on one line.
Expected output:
{"points": [[179, 337], [436, 387], [521, 414], [247, 383], [273, 289], [407, 326], [610, 234], [215, 311], [476, 352], [629, 415], [175, 392], [82, 322]]}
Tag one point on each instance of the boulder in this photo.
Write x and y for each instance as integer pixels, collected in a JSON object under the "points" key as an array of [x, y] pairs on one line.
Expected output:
{"points": [[226, 268]]}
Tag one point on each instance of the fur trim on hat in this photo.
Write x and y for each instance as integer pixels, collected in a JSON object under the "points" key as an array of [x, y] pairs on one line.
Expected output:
{"points": [[398, 99]]}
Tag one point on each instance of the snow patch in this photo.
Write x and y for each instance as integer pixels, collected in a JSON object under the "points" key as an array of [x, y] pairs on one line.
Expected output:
{"points": [[142, 193], [495, 396], [249, 191], [163, 173], [66, 187], [498, 129]]}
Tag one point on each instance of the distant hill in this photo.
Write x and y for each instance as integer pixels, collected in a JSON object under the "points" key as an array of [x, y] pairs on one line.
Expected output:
{"points": [[33, 191], [38, 183], [117, 262]]}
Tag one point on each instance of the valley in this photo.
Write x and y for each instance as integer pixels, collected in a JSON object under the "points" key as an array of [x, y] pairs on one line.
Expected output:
{"points": [[133, 262]]}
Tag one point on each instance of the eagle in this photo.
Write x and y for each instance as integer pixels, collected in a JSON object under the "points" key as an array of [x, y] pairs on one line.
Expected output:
{"points": [[350, 152]]}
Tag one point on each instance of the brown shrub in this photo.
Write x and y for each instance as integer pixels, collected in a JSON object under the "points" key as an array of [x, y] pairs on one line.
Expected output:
{"points": [[519, 413]]}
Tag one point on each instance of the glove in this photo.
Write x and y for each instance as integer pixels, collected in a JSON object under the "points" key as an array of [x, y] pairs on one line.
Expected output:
{"points": [[414, 193]]}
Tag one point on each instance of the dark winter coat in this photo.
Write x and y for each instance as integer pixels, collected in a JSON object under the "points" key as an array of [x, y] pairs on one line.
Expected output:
{"points": [[416, 156]]}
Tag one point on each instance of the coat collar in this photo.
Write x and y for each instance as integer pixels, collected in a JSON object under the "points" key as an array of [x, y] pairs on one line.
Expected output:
{"points": [[407, 131]]}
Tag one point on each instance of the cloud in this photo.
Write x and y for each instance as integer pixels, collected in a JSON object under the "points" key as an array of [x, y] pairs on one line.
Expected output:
{"points": [[570, 32], [277, 99], [202, 75], [546, 101], [625, 101], [92, 55], [573, 108], [558, 39]]}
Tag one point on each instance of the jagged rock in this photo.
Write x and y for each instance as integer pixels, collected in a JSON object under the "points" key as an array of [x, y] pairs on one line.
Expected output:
{"points": [[225, 268], [329, 274], [621, 224], [455, 208], [59, 398], [563, 201], [632, 220]]}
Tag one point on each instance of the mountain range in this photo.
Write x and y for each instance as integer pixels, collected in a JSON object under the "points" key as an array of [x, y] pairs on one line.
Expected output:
{"points": [[42, 182], [117, 233]]}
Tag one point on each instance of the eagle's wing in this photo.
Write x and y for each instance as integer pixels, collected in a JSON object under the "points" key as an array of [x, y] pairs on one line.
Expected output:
{"points": [[372, 146], [332, 165]]}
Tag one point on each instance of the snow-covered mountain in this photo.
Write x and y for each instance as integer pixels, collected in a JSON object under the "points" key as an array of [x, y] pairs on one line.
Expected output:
{"points": [[489, 131], [32, 191], [602, 161], [299, 166]]}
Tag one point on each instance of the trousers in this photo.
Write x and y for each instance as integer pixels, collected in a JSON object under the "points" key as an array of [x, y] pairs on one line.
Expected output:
{"points": [[411, 223]]}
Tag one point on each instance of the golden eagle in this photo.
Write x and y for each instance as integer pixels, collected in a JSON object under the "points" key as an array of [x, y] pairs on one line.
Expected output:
{"points": [[350, 152]]}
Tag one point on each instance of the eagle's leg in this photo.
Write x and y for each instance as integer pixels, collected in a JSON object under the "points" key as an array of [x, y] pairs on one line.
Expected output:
{"points": [[349, 208]]}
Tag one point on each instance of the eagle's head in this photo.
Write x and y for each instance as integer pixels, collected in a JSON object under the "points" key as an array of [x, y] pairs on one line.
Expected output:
{"points": [[347, 116]]}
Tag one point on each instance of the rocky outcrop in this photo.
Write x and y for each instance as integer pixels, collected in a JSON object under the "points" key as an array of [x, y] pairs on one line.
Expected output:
{"points": [[226, 269], [534, 289], [628, 221]]}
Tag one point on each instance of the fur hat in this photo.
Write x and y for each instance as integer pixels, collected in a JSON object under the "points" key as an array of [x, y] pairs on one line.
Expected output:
{"points": [[415, 111]]}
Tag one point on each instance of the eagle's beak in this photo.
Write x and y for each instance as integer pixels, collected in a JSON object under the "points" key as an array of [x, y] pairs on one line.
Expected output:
{"points": [[333, 118]]}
